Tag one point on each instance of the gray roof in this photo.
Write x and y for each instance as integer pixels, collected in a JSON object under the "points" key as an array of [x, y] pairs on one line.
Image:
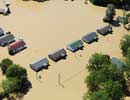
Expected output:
{"points": [[90, 37], [57, 55], [105, 30], [117, 62], [7, 38], [39, 64], [75, 45], [1, 32]]}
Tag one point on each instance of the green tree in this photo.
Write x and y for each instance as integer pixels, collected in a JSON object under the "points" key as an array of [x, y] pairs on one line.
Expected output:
{"points": [[126, 61], [118, 3], [124, 21], [99, 95], [128, 53], [99, 2], [125, 44], [11, 85], [110, 13], [105, 80], [107, 72], [94, 80], [127, 75], [111, 7], [16, 71], [16, 80], [110, 90], [112, 72], [97, 60], [5, 64], [114, 89]]}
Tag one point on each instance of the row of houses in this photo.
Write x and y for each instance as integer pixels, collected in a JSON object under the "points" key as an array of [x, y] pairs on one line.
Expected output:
{"points": [[72, 46], [8, 39]]}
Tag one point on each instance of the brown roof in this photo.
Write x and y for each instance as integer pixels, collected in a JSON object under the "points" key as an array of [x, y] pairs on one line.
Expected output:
{"points": [[16, 44]]}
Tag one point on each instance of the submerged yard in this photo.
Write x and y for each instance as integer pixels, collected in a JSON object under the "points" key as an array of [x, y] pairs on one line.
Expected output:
{"points": [[52, 25]]}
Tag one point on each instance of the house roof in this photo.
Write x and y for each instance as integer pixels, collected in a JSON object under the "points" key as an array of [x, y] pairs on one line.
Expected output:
{"points": [[104, 30], [117, 62], [1, 32], [57, 54], [7, 38], [75, 44], [90, 37], [39, 64], [16, 44]]}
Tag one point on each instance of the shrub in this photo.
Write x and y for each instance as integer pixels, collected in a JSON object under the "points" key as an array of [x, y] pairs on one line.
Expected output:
{"points": [[5, 64], [11, 85], [15, 71], [125, 44], [110, 13]]}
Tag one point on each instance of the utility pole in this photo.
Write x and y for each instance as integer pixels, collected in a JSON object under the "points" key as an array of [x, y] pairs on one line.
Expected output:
{"points": [[59, 81]]}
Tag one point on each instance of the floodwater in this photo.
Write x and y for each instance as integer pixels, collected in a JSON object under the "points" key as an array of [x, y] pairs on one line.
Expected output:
{"points": [[51, 25]]}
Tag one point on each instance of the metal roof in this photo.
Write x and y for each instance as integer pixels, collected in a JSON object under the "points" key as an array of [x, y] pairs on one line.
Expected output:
{"points": [[90, 37], [57, 54], [39, 64], [7, 38], [105, 30], [74, 45]]}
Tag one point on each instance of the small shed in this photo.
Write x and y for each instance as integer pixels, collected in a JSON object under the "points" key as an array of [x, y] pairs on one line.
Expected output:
{"points": [[105, 30], [1, 32], [7, 39], [90, 37], [57, 55], [39, 64], [75, 45]]}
